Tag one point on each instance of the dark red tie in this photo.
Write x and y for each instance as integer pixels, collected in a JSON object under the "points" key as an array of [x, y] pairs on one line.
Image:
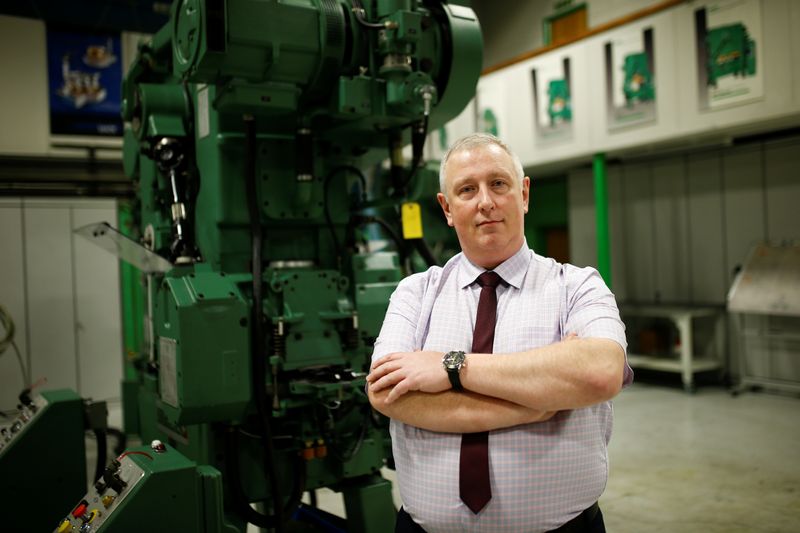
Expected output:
{"points": [[473, 484]]}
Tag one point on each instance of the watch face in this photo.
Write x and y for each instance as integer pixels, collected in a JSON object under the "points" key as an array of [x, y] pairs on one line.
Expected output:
{"points": [[453, 360]]}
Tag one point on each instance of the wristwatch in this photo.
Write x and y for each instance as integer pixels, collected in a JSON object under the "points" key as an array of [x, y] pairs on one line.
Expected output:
{"points": [[453, 362]]}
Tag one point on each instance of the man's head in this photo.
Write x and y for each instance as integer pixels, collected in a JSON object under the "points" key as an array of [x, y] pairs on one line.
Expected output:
{"points": [[484, 197]]}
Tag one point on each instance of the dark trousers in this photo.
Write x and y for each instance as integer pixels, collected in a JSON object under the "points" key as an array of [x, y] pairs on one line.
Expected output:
{"points": [[589, 521]]}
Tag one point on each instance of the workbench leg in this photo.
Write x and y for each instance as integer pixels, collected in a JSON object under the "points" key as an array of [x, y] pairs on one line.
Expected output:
{"points": [[685, 330]]}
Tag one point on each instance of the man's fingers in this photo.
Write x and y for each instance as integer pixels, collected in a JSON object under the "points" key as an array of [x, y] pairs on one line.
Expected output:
{"points": [[398, 390], [380, 371], [386, 381]]}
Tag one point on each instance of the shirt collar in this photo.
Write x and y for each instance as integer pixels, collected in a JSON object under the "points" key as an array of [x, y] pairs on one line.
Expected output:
{"points": [[512, 270]]}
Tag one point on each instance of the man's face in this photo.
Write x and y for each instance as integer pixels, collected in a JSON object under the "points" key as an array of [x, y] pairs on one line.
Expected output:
{"points": [[485, 204]]}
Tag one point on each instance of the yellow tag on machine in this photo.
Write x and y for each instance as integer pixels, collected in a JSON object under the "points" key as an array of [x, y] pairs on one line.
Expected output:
{"points": [[412, 220]]}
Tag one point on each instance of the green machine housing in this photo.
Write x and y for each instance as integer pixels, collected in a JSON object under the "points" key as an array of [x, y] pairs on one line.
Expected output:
{"points": [[250, 129], [42, 460], [149, 488]]}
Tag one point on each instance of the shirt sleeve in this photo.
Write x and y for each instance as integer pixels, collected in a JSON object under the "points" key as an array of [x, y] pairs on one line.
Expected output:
{"points": [[402, 317], [592, 310]]}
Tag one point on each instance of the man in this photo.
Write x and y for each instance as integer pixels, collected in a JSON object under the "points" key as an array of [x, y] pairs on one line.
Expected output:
{"points": [[550, 355]]}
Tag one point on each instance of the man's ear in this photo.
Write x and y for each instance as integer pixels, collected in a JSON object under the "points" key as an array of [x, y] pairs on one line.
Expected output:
{"points": [[526, 192], [445, 208]]}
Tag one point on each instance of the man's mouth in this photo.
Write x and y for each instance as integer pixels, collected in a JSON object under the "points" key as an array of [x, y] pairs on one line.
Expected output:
{"points": [[488, 222]]}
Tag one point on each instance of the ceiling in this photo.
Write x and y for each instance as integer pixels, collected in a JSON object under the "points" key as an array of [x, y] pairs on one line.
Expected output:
{"points": [[144, 16]]}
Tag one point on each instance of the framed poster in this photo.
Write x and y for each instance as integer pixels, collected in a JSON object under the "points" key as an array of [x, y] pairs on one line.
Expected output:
{"points": [[630, 74], [730, 68], [552, 99], [84, 83]]}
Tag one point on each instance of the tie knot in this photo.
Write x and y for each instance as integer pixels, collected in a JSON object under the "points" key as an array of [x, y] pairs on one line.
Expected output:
{"points": [[489, 279]]}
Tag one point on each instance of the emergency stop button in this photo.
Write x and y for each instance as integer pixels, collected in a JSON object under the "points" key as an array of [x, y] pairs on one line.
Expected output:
{"points": [[80, 510]]}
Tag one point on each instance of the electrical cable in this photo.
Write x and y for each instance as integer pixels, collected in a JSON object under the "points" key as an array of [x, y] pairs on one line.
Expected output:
{"points": [[418, 136], [122, 440], [102, 453], [8, 340], [258, 351], [398, 240]]}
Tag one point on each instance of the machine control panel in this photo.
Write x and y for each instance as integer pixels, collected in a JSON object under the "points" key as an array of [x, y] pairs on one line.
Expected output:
{"points": [[27, 413], [104, 497]]}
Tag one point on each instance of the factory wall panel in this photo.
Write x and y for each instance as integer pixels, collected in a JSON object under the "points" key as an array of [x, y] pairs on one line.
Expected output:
{"points": [[63, 295], [781, 164], [582, 222], [744, 200], [581, 219], [616, 223], [637, 202], [12, 298], [671, 221], [706, 242], [678, 236], [51, 297]]}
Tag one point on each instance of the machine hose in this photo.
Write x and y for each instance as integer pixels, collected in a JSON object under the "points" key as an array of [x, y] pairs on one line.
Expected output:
{"points": [[359, 11], [258, 352], [425, 251], [8, 340], [102, 453], [240, 498]]}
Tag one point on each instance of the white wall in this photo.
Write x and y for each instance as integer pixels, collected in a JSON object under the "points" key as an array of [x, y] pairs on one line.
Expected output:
{"points": [[63, 295], [514, 27], [680, 120]]}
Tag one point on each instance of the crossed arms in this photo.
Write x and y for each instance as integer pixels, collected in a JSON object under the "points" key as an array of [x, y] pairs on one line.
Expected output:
{"points": [[501, 390]]}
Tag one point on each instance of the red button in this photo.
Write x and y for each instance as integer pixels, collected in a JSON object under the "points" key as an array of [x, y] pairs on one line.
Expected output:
{"points": [[80, 510]]}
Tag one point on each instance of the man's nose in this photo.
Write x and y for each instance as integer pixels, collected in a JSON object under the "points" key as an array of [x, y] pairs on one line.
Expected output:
{"points": [[485, 199]]}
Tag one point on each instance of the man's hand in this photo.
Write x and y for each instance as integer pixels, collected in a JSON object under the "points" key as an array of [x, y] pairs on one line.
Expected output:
{"points": [[408, 371]]}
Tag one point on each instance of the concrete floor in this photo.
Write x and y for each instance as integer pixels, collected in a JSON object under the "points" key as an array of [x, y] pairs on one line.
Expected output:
{"points": [[706, 462]]}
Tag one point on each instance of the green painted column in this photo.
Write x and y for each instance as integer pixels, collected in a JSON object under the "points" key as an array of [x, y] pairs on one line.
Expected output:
{"points": [[132, 296], [601, 211]]}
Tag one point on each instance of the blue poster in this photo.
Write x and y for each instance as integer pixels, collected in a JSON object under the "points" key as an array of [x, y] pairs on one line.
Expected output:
{"points": [[85, 83]]}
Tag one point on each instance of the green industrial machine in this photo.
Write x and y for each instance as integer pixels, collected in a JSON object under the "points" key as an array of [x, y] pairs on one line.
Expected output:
{"points": [[731, 51], [638, 84], [149, 488], [559, 107], [42, 460], [251, 130]]}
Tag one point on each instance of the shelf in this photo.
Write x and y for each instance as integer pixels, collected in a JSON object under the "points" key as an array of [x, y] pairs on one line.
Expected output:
{"points": [[684, 363]]}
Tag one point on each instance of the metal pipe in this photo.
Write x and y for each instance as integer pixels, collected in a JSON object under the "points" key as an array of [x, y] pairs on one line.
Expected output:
{"points": [[601, 212]]}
